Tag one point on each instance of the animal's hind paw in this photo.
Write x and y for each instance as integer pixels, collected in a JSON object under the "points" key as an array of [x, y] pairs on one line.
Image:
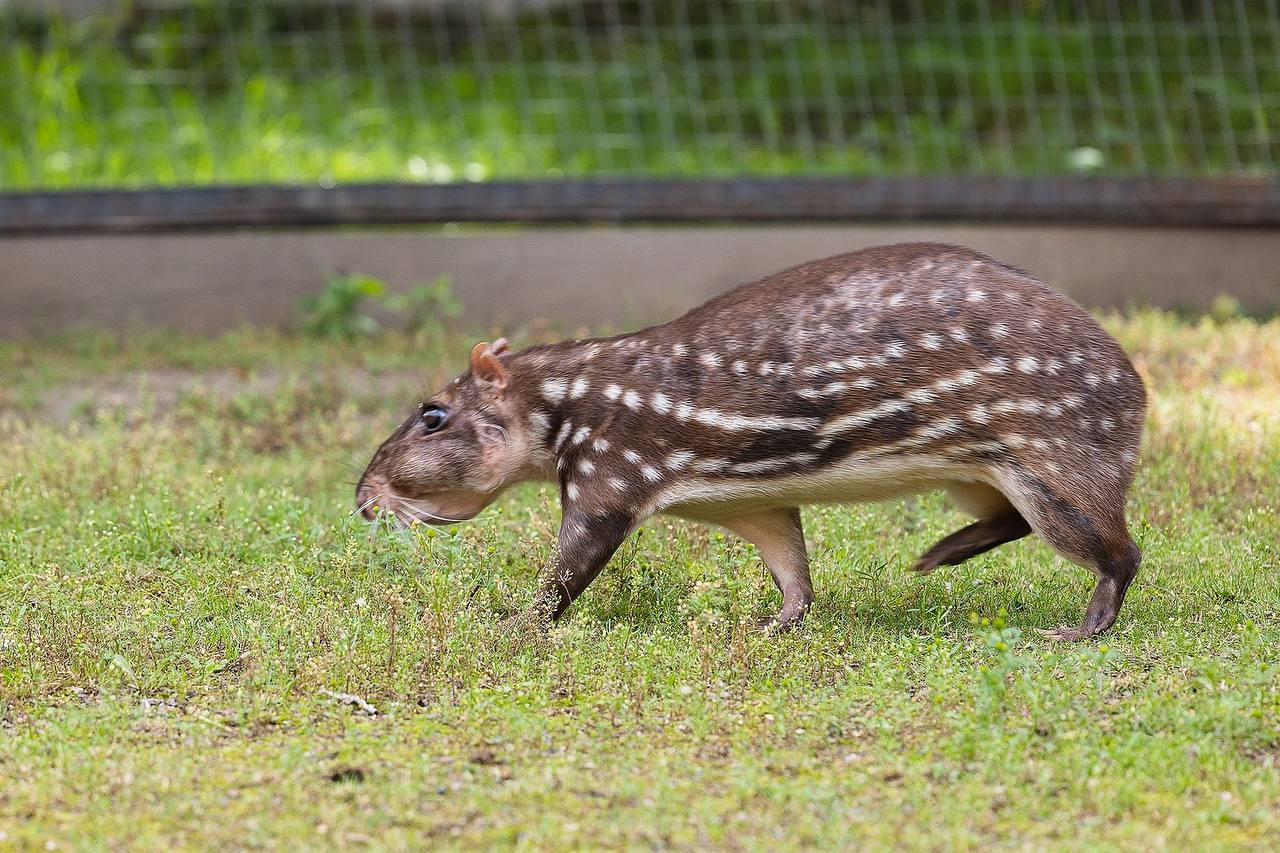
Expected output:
{"points": [[1065, 634], [925, 565]]}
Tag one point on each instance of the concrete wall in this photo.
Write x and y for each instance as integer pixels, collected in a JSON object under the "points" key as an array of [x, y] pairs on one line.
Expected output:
{"points": [[618, 276]]}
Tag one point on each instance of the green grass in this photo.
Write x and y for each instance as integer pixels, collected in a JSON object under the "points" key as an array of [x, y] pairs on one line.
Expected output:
{"points": [[235, 91], [181, 587]]}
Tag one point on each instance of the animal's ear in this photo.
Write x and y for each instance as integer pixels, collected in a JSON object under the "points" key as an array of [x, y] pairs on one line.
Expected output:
{"points": [[485, 366]]}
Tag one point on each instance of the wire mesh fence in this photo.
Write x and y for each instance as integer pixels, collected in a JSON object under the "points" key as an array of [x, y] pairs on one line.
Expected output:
{"points": [[148, 93]]}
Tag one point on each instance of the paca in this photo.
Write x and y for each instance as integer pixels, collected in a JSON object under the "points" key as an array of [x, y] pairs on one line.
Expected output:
{"points": [[869, 375]]}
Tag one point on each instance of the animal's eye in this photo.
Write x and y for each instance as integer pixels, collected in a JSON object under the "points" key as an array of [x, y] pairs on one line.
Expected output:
{"points": [[434, 418]]}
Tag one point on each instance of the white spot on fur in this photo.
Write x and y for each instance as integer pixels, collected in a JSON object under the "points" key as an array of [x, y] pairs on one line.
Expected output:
{"points": [[586, 466], [931, 341], [826, 390], [766, 368], [921, 395], [679, 459], [975, 296], [946, 426], [661, 403], [710, 466], [631, 400], [863, 382], [709, 360], [893, 349], [617, 485], [631, 456], [578, 388], [741, 423], [581, 435], [1053, 367], [684, 411], [980, 414], [554, 389], [1092, 380], [600, 445], [679, 349], [1027, 364], [650, 473], [999, 330], [863, 417], [572, 491], [740, 367], [958, 334], [996, 365], [1014, 439], [612, 391], [1107, 424], [960, 380], [563, 433], [897, 299]]}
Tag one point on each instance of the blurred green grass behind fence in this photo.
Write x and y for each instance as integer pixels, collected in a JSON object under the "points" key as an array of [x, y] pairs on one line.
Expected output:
{"points": [[219, 91]]}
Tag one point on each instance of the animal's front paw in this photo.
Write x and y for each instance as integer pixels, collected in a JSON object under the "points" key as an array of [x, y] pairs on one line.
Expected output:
{"points": [[532, 621], [780, 623]]}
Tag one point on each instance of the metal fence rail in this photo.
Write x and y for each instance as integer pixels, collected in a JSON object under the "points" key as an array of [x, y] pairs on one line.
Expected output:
{"points": [[1134, 201], [324, 92]]}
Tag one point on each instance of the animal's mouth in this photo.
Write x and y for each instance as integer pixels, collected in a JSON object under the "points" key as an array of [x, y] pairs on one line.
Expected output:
{"points": [[378, 501]]}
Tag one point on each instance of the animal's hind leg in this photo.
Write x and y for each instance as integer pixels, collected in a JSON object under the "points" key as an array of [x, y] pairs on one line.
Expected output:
{"points": [[779, 537], [998, 522], [1115, 570], [1094, 536]]}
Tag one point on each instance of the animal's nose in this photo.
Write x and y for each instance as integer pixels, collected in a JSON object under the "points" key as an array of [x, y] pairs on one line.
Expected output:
{"points": [[364, 501]]}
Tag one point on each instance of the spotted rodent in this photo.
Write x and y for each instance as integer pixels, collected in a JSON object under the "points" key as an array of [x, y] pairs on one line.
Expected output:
{"points": [[873, 374]]}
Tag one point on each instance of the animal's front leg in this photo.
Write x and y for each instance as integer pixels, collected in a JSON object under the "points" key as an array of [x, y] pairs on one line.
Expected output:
{"points": [[587, 541]]}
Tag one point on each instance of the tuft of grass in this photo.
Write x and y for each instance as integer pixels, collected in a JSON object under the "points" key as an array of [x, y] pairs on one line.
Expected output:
{"points": [[200, 648]]}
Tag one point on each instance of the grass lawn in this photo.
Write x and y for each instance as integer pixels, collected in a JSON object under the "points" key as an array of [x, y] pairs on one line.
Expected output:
{"points": [[230, 91], [183, 599]]}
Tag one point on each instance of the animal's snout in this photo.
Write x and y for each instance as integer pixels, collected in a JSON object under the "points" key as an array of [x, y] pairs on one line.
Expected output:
{"points": [[366, 501]]}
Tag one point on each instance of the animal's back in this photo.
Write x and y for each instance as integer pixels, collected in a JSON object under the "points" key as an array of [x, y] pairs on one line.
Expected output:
{"points": [[914, 347]]}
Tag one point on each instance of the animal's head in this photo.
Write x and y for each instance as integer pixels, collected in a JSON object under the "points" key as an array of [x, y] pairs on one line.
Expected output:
{"points": [[457, 452]]}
